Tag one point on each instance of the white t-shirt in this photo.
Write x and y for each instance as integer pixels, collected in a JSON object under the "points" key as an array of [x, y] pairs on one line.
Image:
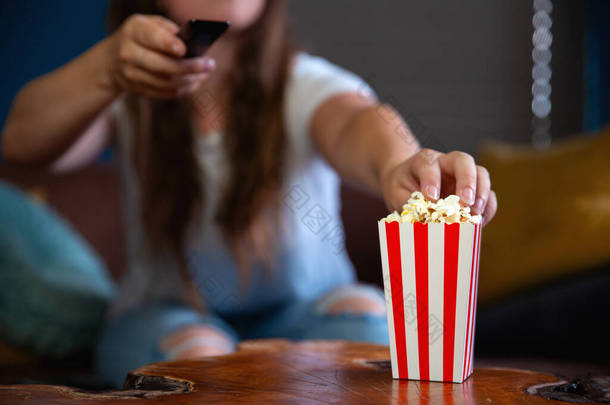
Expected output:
{"points": [[311, 255]]}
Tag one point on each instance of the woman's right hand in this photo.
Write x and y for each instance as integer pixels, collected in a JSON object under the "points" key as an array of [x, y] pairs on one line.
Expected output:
{"points": [[146, 58]]}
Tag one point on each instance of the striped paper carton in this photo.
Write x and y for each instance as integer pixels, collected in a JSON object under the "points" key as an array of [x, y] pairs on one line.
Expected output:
{"points": [[430, 276]]}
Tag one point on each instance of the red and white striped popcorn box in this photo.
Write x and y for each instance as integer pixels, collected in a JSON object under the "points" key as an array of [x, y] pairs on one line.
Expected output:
{"points": [[430, 276]]}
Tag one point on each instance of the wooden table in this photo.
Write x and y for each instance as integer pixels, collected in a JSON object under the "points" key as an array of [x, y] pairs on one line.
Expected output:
{"points": [[279, 371]]}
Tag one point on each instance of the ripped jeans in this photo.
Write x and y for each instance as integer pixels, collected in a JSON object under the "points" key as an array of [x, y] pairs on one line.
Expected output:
{"points": [[134, 339]]}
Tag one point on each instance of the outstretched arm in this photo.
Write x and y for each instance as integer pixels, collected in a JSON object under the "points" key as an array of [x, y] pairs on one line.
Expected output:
{"points": [[65, 111], [50, 113], [370, 144]]}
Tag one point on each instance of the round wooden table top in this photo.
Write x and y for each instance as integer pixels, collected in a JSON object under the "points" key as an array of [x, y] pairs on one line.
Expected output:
{"points": [[279, 371]]}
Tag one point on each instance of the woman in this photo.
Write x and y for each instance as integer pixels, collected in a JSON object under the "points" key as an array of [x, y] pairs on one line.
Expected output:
{"points": [[231, 166]]}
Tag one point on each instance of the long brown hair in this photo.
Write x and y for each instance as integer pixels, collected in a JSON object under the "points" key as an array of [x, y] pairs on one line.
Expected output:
{"points": [[171, 191]]}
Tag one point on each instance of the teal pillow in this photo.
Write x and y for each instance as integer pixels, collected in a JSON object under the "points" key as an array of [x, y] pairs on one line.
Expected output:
{"points": [[54, 290]]}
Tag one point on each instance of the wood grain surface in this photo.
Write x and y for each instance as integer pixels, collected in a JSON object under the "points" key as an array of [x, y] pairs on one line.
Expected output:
{"points": [[279, 371]]}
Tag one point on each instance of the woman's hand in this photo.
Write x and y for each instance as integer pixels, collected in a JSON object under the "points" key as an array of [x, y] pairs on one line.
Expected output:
{"points": [[437, 175], [146, 58]]}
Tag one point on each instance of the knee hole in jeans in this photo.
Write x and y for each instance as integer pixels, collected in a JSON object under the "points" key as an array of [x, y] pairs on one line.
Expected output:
{"points": [[353, 299], [196, 341]]}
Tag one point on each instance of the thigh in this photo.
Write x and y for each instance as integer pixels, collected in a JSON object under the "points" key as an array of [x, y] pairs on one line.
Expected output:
{"points": [[354, 312], [134, 338], [323, 318]]}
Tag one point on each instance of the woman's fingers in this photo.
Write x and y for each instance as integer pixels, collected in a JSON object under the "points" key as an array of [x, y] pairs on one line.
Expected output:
{"points": [[483, 189], [153, 61], [399, 197], [148, 33], [147, 59], [156, 86], [143, 77], [490, 208], [164, 76], [399, 186], [183, 80], [437, 174], [428, 173], [165, 23], [462, 167]]}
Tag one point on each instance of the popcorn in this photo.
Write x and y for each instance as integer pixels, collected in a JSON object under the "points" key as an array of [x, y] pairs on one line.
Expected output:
{"points": [[446, 210]]}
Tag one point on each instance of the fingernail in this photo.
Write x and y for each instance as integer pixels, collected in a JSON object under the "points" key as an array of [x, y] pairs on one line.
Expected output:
{"points": [[478, 205], [176, 47], [468, 195], [209, 63], [432, 192], [201, 65]]}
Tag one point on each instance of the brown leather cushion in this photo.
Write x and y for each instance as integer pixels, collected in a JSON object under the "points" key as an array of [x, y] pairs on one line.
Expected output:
{"points": [[554, 213], [360, 213], [10, 356]]}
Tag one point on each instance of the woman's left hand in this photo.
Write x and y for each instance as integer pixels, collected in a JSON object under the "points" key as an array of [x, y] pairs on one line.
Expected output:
{"points": [[436, 175]]}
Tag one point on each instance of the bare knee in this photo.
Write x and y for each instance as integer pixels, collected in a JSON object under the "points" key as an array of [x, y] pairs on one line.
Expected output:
{"points": [[353, 299], [196, 341]]}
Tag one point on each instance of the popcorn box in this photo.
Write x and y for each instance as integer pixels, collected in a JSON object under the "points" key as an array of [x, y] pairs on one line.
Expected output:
{"points": [[430, 276]]}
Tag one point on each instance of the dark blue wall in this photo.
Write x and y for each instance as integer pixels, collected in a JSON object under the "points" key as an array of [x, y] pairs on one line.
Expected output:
{"points": [[38, 36], [597, 70]]}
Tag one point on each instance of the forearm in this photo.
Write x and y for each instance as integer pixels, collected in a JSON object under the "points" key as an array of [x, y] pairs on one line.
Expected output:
{"points": [[371, 145], [51, 112], [373, 141]]}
